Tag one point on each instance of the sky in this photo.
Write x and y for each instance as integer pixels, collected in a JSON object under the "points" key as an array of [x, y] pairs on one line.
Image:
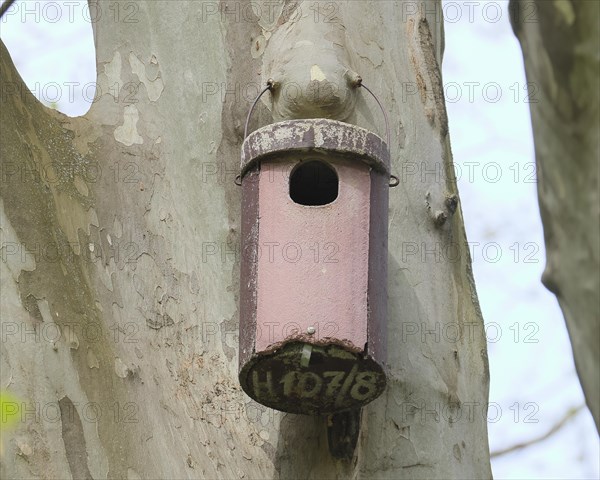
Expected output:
{"points": [[533, 379]]}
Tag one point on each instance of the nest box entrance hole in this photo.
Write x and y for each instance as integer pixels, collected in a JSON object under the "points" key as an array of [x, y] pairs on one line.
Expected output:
{"points": [[313, 183]]}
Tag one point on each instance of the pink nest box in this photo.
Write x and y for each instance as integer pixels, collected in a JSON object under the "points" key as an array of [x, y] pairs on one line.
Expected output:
{"points": [[313, 288]]}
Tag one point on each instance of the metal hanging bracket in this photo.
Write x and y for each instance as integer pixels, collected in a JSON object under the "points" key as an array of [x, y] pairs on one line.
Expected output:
{"points": [[358, 83]]}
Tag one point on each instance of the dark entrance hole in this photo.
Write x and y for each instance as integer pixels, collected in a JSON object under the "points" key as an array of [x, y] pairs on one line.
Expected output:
{"points": [[313, 183]]}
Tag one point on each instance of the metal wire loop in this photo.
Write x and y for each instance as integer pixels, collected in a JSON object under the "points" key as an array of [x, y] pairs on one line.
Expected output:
{"points": [[269, 86], [394, 180], [360, 83]]}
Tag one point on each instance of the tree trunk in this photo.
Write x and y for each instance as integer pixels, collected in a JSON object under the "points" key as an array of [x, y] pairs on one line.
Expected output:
{"points": [[120, 271], [560, 48]]}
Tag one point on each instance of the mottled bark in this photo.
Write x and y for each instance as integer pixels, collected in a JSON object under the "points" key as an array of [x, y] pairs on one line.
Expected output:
{"points": [[560, 42], [120, 263]]}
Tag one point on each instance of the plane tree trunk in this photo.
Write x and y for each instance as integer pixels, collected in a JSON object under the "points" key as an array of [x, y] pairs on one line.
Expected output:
{"points": [[560, 48], [120, 257]]}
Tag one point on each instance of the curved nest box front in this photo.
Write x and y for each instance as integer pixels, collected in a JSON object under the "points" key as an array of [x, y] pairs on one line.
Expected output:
{"points": [[313, 302]]}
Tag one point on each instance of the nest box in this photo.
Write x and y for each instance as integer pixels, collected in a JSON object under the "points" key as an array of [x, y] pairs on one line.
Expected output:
{"points": [[313, 300]]}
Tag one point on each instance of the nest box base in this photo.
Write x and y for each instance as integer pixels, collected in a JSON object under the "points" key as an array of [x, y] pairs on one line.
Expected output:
{"points": [[312, 379]]}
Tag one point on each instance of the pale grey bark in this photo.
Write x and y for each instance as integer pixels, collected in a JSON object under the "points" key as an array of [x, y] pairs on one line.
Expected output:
{"points": [[560, 43], [142, 382]]}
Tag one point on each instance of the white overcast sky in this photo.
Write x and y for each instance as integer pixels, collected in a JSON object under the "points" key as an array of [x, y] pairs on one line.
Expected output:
{"points": [[533, 380]]}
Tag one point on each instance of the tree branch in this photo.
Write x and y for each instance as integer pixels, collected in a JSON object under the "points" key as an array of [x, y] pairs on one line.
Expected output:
{"points": [[555, 428], [5, 6]]}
